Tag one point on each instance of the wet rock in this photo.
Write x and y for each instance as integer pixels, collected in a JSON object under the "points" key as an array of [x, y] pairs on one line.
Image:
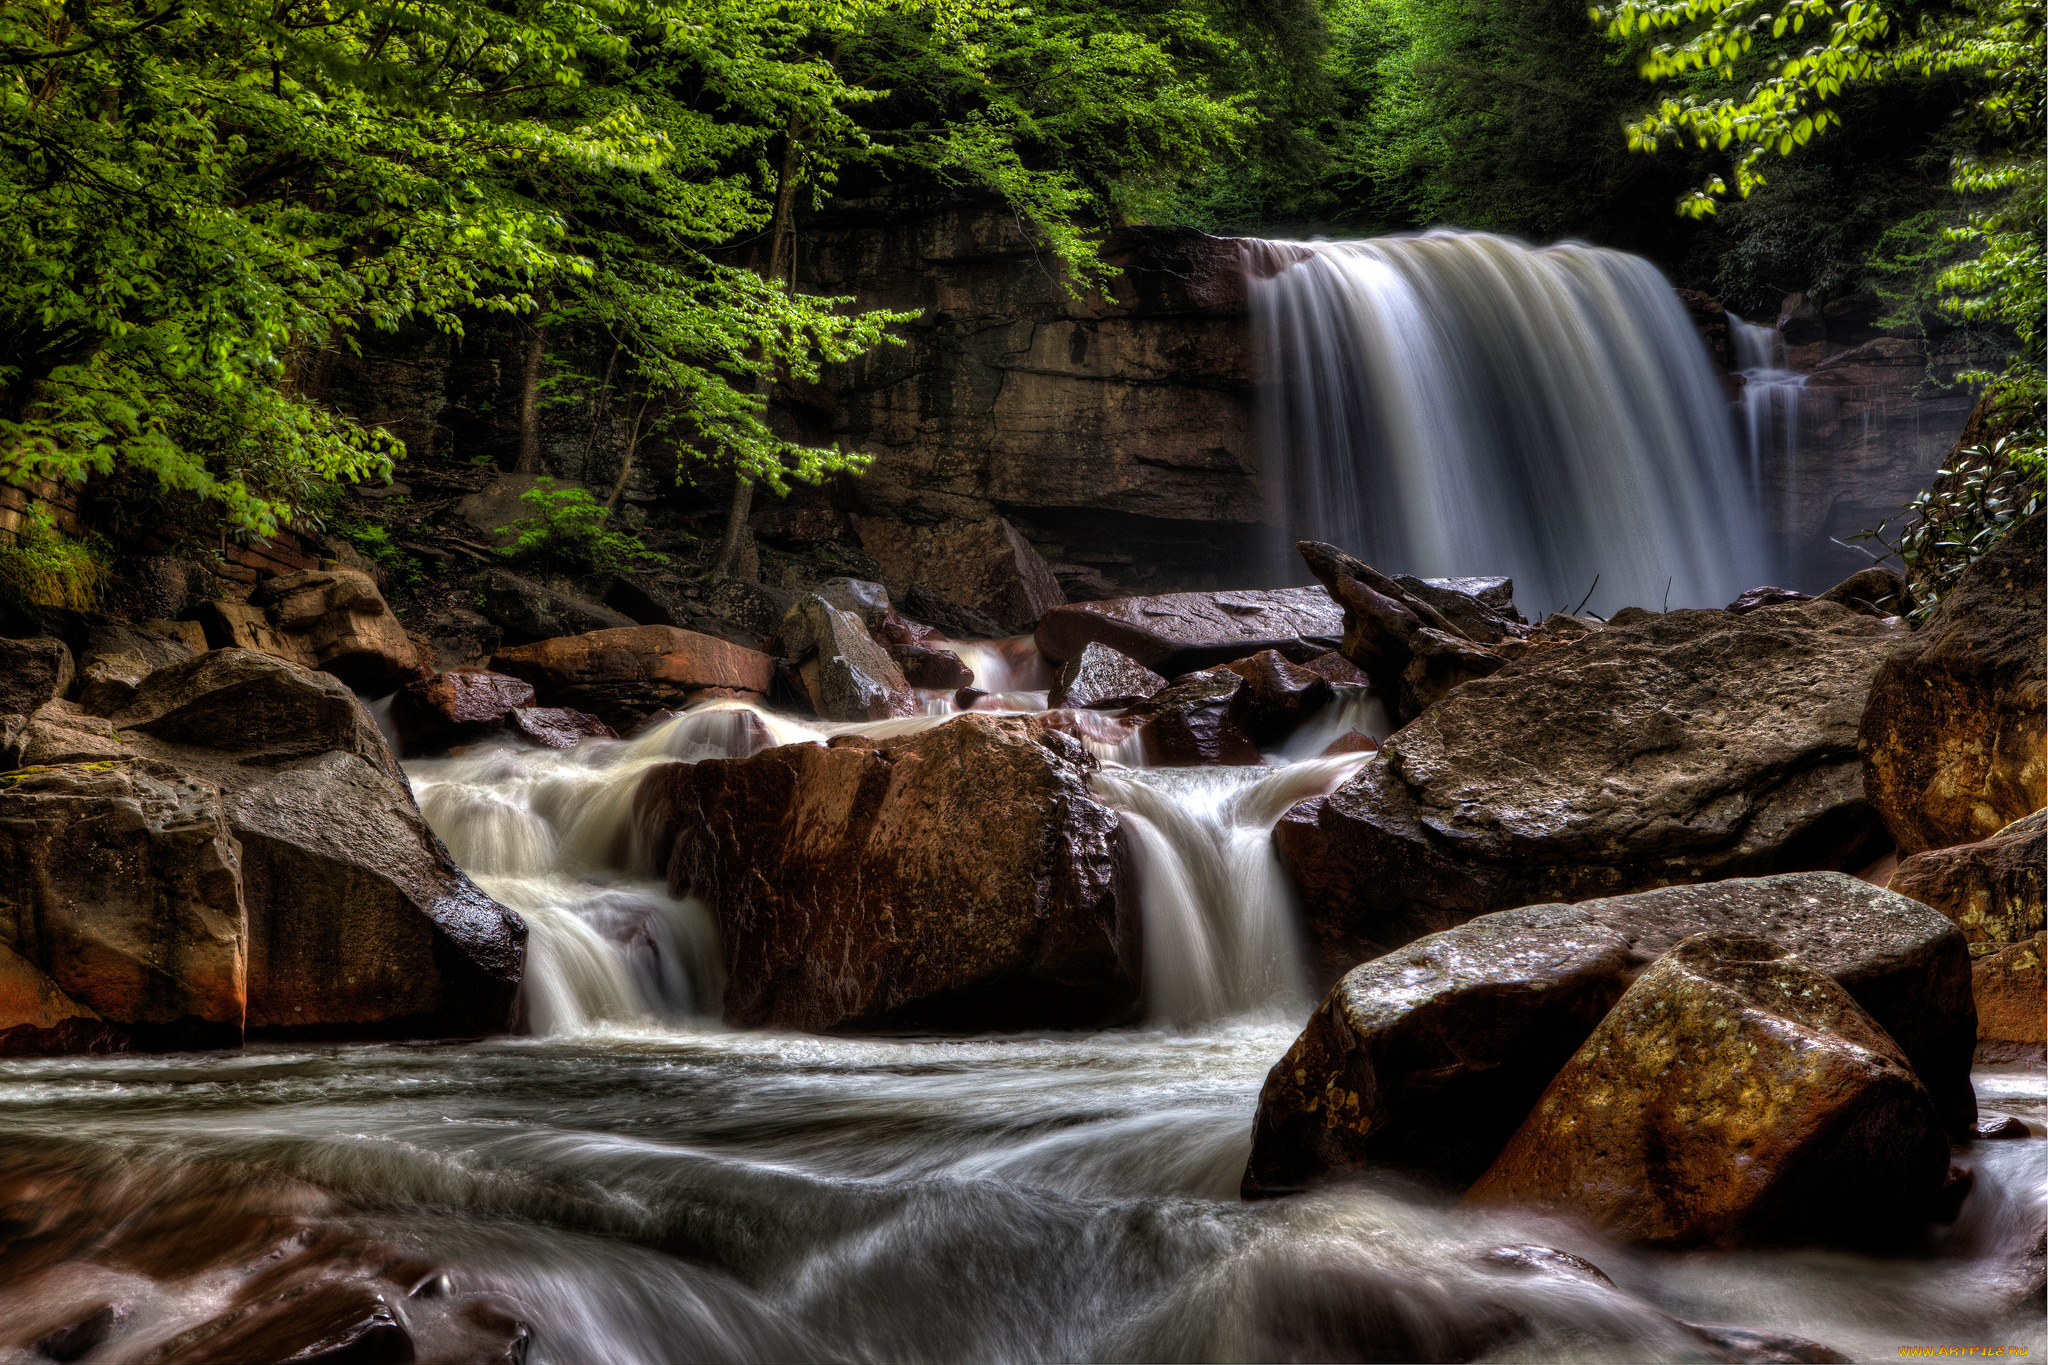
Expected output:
{"points": [[1767, 597], [1427, 1058], [2012, 1000], [1195, 722], [255, 705], [33, 672], [1350, 742], [1953, 739], [1337, 670], [457, 637], [1734, 1095], [961, 877], [335, 620], [622, 676], [1875, 591], [1693, 746], [1993, 889], [1100, 678], [1747, 1347], [843, 671], [1483, 608], [985, 564], [1412, 651], [1277, 695], [559, 728], [526, 610], [459, 706], [918, 651], [955, 620], [1179, 632], [126, 895], [36, 1015]]}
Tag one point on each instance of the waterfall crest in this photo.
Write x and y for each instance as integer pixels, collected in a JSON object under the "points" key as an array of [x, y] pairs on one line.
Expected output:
{"points": [[1461, 403]]}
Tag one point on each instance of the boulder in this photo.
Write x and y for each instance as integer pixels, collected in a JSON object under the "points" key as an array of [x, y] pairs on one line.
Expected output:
{"points": [[459, 706], [124, 891], [1767, 597], [526, 610], [954, 620], [37, 1018], [985, 564], [1179, 632], [1337, 670], [1429, 1056], [1350, 742], [57, 732], [1875, 591], [556, 727], [1953, 738], [2012, 1000], [1483, 608], [1689, 746], [845, 674], [918, 650], [1991, 889], [1277, 695], [1196, 722], [1734, 1095], [1099, 678], [961, 877], [33, 672], [1413, 652], [108, 683], [255, 705], [338, 622], [456, 637], [754, 607], [623, 676]]}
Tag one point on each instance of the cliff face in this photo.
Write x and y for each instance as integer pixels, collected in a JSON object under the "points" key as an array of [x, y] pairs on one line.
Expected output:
{"points": [[1116, 431]]}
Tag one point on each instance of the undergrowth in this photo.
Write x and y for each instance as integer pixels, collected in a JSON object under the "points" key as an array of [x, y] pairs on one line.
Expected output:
{"points": [[566, 530], [46, 568]]}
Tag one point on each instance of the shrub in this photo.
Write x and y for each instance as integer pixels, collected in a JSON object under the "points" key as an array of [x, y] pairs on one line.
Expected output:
{"points": [[1989, 490], [566, 529], [47, 568]]}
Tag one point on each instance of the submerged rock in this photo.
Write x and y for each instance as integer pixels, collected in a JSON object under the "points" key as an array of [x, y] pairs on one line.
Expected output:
{"points": [[623, 676], [1953, 740], [961, 877], [1734, 1095], [1689, 746], [1178, 632], [1993, 890]]}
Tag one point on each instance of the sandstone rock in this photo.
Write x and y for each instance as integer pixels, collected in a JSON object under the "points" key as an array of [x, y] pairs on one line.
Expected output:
{"points": [[1195, 722], [459, 706], [1099, 677], [622, 676], [1337, 670], [238, 625], [755, 607], [846, 675], [1412, 651], [1180, 632], [954, 620], [35, 1014], [337, 622], [527, 610], [256, 705], [558, 728], [33, 672], [1877, 591], [108, 683], [1350, 742], [57, 732], [985, 564], [918, 650], [458, 638], [1693, 746], [1953, 740], [1277, 696], [1734, 1095], [125, 893], [1483, 608], [1992, 889], [1429, 1057], [961, 877], [498, 504], [2012, 1000]]}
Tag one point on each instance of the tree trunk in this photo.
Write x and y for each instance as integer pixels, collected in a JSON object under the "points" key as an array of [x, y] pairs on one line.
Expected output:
{"points": [[781, 268], [626, 465], [529, 399]]}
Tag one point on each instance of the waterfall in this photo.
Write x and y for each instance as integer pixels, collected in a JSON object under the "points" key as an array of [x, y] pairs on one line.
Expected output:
{"points": [[1771, 394], [1459, 403]]}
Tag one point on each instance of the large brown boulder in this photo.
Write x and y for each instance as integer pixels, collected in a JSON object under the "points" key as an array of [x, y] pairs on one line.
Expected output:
{"points": [[2012, 1000], [57, 732], [255, 705], [844, 672], [623, 676], [1197, 721], [1414, 652], [1277, 695], [1734, 1095], [525, 610], [33, 672], [1953, 738], [1429, 1057], [456, 707], [1683, 747], [1102, 679], [339, 623], [961, 877], [985, 564], [1179, 632], [1992, 889], [119, 882]]}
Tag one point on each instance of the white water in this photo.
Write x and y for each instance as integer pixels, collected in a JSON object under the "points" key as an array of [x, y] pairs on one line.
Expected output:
{"points": [[1460, 403], [1772, 394]]}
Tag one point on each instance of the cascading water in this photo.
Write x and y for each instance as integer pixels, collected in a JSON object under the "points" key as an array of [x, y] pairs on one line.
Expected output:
{"points": [[1460, 403], [1772, 392]]}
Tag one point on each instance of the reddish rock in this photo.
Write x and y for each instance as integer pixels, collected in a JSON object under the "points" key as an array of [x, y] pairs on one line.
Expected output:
{"points": [[1993, 890], [1733, 1096], [126, 896], [2012, 1000], [1337, 670], [1277, 696], [556, 727], [985, 564], [1350, 742], [459, 706], [961, 877], [1196, 722], [1178, 632], [1953, 738], [1100, 678], [623, 675]]}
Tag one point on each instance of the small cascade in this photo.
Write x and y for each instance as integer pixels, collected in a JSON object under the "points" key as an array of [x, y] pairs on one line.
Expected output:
{"points": [[1221, 932], [1771, 397], [1461, 403]]}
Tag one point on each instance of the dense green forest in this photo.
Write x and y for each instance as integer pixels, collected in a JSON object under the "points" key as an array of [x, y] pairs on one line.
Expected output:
{"points": [[198, 197]]}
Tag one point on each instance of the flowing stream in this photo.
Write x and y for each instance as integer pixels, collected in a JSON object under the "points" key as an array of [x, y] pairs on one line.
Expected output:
{"points": [[1461, 403], [640, 1184]]}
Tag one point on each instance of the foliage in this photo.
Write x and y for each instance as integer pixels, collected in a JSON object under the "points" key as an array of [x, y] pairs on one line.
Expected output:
{"points": [[1947, 527], [375, 542], [566, 528], [46, 568]]}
